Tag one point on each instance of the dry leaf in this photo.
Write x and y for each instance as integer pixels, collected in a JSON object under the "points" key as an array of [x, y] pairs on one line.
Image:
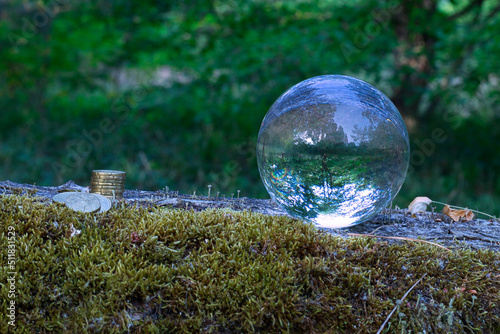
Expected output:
{"points": [[419, 204], [74, 231], [456, 215]]}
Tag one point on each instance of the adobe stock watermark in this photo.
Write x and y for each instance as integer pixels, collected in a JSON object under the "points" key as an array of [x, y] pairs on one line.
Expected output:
{"points": [[78, 151], [363, 37], [40, 18], [11, 275], [223, 178], [426, 147]]}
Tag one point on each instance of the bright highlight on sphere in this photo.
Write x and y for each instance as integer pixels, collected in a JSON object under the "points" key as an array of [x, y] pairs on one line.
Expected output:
{"points": [[333, 150]]}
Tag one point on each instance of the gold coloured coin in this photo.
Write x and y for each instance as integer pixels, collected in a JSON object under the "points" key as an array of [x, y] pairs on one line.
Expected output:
{"points": [[107, 181], [93, 183], [109, 175], [108, 172], [107, 184], [107, 189]]}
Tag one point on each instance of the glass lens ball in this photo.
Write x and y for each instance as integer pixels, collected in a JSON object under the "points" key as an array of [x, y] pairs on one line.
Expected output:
{"points": [[333, 150]]}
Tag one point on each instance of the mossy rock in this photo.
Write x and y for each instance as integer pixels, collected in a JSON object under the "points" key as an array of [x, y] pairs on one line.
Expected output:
{"points": [[163, 270]]}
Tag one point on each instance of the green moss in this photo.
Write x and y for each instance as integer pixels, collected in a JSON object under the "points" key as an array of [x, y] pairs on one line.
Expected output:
{"points": [[220, 271]]}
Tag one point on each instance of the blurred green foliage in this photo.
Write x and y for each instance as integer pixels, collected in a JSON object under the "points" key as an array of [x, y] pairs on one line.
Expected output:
{"points": [[173, 92]]}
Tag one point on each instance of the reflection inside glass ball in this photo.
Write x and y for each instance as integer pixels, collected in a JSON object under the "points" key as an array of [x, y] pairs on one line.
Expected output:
{"points": [[333, 150]]}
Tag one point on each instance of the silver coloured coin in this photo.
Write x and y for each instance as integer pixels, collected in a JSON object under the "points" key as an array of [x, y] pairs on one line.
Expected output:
{"points": [[61, 198], [83, 202], [105, 202]]}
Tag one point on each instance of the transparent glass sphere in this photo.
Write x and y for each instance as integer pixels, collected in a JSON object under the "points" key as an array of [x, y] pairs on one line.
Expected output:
{"points": [[333, 150]]}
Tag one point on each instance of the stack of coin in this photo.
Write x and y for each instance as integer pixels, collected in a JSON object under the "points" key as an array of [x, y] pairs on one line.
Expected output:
{"points": [[109, 183]]}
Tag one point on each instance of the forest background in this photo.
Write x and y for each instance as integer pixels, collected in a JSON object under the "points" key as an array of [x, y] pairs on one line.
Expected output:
{"points": [[173, 92]]}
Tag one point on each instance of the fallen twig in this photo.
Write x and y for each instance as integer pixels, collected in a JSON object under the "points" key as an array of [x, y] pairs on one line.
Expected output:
{"points": [[398, 238], [396, 307], [378, 228]]}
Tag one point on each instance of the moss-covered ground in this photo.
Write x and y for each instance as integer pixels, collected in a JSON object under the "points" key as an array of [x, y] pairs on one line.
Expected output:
{"points": [[160, 270]]}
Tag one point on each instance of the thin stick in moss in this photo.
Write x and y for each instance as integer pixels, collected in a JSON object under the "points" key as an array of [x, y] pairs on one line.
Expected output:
{"points": [[397, 304], [398, 238]]}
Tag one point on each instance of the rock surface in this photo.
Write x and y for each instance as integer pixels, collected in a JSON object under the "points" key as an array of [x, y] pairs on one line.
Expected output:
{"points": [[428, 226]]}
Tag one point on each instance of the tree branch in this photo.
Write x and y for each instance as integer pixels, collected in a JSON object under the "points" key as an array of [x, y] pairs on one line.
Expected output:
{"points": [[467, 9], [494, 12]]}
